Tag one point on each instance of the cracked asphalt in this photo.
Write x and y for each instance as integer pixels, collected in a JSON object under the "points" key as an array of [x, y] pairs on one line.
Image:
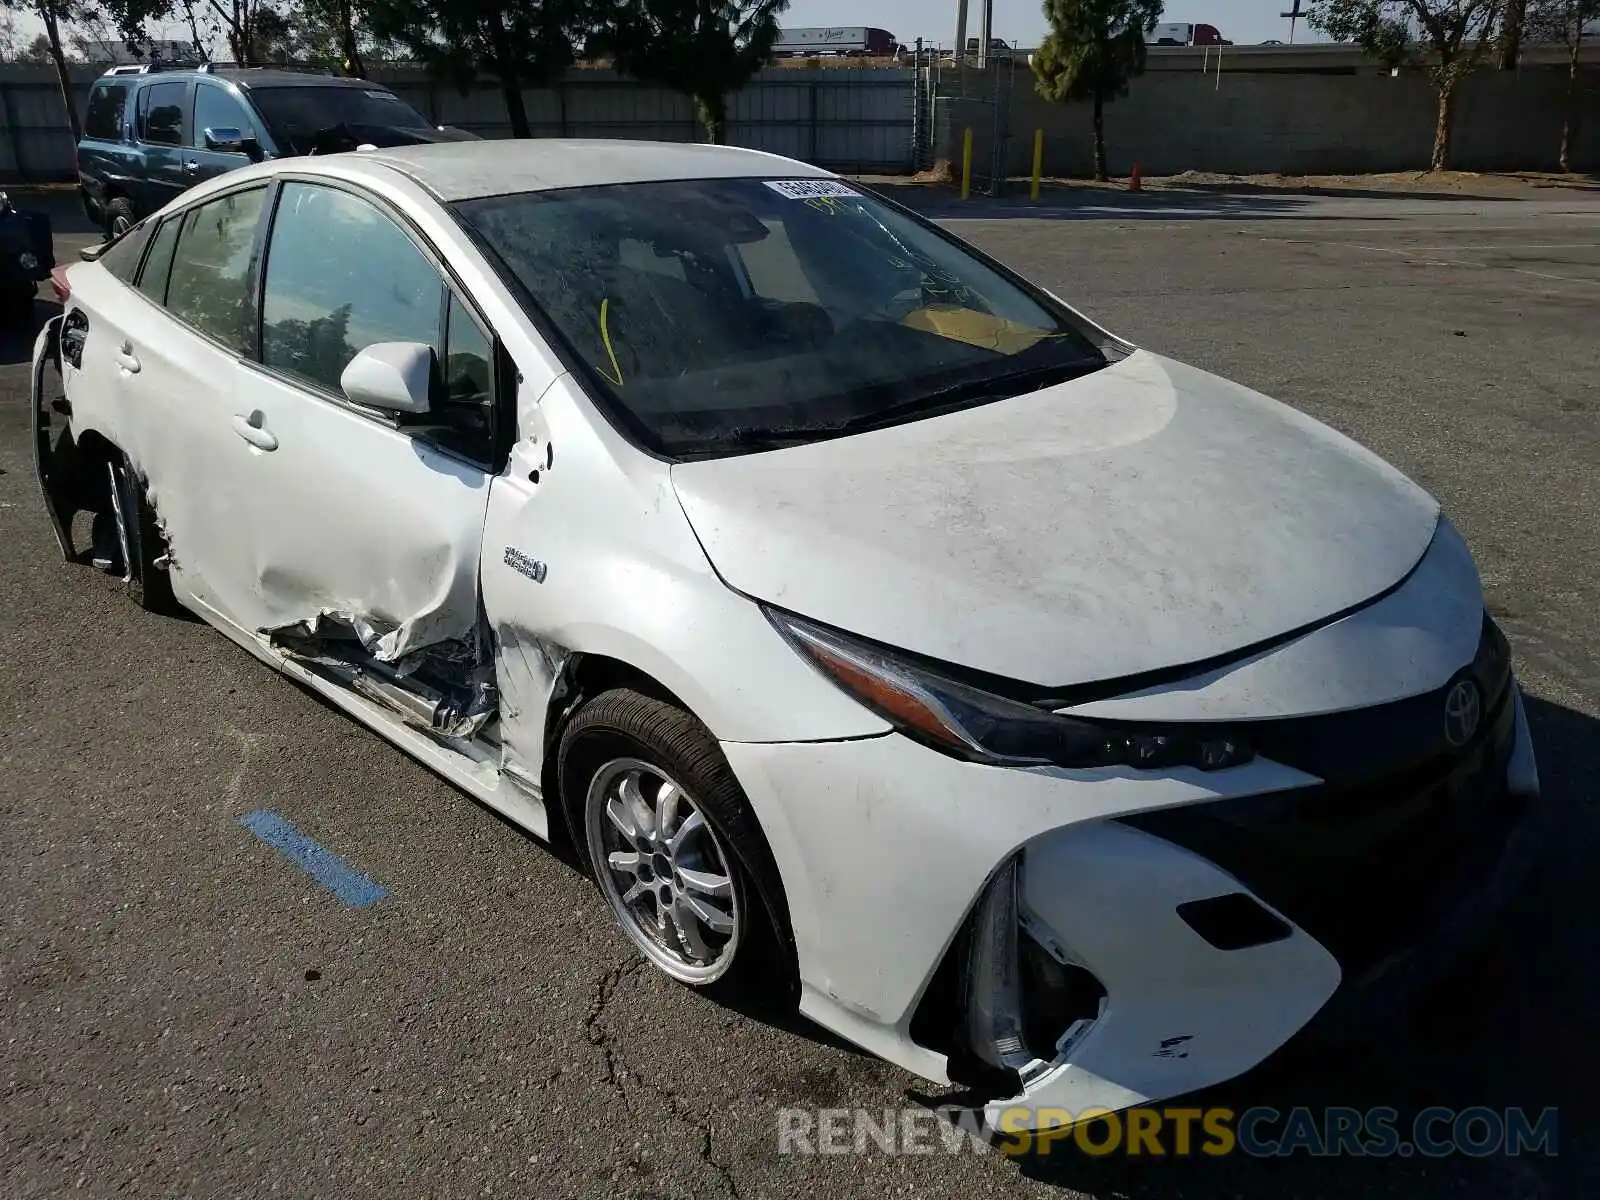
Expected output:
{"points": [[184, 1013]]}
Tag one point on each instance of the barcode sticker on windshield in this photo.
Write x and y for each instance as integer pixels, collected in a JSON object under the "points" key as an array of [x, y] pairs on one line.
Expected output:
{"points": [[809, 189]]}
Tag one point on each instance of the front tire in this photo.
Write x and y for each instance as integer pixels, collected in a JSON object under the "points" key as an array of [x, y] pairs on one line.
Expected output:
{"points": [[119, 217], [668, 835]]}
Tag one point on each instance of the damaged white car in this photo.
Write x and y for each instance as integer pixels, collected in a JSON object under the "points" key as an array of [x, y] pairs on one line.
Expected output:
{"points": [[1055, 718]]}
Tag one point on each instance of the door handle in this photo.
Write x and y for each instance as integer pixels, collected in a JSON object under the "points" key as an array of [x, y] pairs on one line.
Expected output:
{"points": [[126, 359], [251, 430]]}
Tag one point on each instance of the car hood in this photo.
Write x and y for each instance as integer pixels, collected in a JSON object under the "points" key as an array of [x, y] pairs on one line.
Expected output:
{"points": [[1143, 517]]}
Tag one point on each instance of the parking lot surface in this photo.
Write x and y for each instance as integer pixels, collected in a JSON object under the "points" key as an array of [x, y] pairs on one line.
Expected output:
{"points": [[184, 1011]]}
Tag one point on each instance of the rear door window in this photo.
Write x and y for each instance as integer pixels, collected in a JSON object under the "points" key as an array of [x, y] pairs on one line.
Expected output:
{"points": [[162, 114], [107, 103], [211, 284]]}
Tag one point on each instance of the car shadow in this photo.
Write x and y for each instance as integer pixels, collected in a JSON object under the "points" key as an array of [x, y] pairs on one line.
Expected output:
{"points": [[60, 204], [17, 337], [1510, 1026], [1188, 202]]}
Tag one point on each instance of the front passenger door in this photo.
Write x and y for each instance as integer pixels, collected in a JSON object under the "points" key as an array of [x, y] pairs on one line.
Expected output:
{"points": [[215, 109], [362, 522]]}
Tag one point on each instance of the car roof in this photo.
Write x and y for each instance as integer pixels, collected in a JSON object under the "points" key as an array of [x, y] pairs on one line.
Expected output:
{"points": [[471, 170], [245, 77], [263, 77]]}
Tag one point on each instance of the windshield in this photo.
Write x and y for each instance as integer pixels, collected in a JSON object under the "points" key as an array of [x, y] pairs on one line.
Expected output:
{"points": [[295, 114], [731, 314]]}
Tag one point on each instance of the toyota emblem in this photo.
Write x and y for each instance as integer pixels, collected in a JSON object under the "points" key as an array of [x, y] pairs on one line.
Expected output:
{"points": [[1463, 708]]}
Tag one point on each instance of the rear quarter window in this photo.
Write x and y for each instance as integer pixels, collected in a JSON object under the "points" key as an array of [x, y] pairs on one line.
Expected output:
{"points": [[107, 103], [121, 258]]}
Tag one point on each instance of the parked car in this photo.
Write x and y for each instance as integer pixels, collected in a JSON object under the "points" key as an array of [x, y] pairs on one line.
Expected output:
{"points": [[27, 254], [1042, 713], [150, 135]]}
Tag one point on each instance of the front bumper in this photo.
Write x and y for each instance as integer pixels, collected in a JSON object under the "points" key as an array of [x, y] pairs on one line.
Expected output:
{"points": [[886, 848]]}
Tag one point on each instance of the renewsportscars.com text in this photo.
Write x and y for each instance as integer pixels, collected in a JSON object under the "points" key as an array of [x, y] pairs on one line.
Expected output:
{"points": [[1259, 1132]]}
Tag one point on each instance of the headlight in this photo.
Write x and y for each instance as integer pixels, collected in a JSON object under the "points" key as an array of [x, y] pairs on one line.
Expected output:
{"points": [[974, 724]]}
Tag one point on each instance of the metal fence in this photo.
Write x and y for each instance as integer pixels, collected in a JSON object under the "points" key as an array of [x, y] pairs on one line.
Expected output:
{"points": [[959, 100], [851, 119]]}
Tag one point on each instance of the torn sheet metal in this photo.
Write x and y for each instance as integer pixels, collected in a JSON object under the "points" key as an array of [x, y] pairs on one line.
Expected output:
{"points": [[528, 668], [375, 635], [448, 689]]}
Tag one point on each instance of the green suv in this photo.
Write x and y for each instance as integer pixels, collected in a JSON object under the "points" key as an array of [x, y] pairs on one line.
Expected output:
{"points": [[150, 134]]}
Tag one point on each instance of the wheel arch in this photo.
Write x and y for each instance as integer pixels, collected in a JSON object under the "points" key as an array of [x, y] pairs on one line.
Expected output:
{"points": [[585, 675]]}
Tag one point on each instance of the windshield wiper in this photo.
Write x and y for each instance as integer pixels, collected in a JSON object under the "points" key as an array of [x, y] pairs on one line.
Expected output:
{"points": [[1016, 383], [994, 387], [757, 438]]}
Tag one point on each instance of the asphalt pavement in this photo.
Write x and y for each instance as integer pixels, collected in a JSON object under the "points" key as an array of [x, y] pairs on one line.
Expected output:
{"points": [[184, 1012]]}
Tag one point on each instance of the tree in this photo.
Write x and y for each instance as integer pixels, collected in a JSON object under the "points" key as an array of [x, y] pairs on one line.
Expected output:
{"points": [[202, 28], [1513, 23], [253, 29], [36, 53], [1093, 49], [319, 33], [1563, 21], [526, 43], [1457, 33], [705, 49], [128, 17]]}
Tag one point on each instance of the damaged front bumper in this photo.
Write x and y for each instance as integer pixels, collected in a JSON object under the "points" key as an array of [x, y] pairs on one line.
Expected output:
{"points": [[1065, 940]]}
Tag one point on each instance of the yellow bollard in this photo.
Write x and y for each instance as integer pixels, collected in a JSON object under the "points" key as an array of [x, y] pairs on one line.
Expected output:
{"points": [[1038, 162], [966, 164]]}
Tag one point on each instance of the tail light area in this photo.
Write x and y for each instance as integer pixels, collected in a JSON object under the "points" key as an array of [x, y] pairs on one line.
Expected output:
{"points": [[1006, 1001]]}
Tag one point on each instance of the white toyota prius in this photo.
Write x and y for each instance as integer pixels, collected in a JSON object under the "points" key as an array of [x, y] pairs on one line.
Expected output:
{"points": [[1041, 714]]}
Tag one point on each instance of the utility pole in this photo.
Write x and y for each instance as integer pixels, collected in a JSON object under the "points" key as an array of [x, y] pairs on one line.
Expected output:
{"points": [[985, 33], [1294, 15], [961, 29]]}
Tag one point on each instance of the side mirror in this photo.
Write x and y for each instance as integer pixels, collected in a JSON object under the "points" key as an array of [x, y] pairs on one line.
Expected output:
{"points": [[228, 139], [392, 376]]}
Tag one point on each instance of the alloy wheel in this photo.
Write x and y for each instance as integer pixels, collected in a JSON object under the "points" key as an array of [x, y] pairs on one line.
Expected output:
{"points": [[663, 869]]}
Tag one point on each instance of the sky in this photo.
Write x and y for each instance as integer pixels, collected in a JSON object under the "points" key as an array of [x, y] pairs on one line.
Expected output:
{"points": [[1241, 21]]}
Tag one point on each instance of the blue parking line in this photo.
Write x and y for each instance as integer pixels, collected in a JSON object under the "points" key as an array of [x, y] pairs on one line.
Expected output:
{"points": [[326, 867]]}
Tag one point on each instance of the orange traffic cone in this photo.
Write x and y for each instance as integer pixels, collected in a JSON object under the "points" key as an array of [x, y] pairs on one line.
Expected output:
{"points": [[1133, 180]]}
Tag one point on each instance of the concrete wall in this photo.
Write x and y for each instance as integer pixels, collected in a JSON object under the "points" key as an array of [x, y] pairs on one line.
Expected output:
{"points": [[1246, 123], [863, 120], [843, 118]]}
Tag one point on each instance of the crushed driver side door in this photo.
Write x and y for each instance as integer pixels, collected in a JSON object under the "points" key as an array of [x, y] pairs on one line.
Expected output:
{"points": [[365, 527]]}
